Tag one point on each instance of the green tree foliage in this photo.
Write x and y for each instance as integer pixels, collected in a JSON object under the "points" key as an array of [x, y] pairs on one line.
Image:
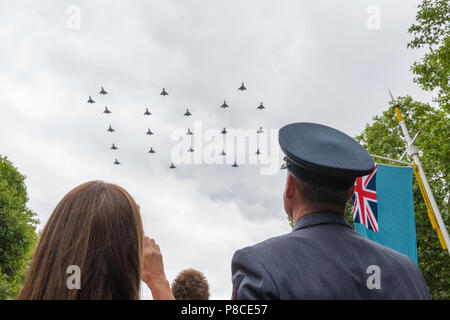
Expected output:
{"points": [[432, 32], [17, 230], [384, 137]]}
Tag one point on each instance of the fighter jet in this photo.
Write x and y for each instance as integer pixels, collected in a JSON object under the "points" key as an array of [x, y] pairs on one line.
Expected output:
{"points": [[187, 113], [90, 100], [224, 105], [257, 152], [172, 166], [116, 162], [103, 91], [224, 131], [235, 165], [260, 130], [151, 150], [189, 132], [107, 110], [164, 92], [190, 149], [261, 107], [149, 132], [147, 113], [110, 129], [114, 147], [222, 153], [242, 87]]}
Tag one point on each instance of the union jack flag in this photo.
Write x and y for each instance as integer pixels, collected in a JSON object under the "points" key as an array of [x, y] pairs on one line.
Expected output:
{"points": [[364, 200]]}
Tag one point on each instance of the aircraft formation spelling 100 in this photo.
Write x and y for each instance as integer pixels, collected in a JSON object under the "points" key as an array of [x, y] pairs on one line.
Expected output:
{"points": [[186, 114]]}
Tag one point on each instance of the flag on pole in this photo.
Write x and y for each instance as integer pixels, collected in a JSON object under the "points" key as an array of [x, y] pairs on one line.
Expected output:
{"points": [[383, 208]]}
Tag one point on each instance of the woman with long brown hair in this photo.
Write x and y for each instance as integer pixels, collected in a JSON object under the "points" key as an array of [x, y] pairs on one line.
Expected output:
{"points": [[95, 230]]}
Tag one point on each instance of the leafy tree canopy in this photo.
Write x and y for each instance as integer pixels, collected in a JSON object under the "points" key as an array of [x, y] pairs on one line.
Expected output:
{"points": [[432, 32], [17, 229]]}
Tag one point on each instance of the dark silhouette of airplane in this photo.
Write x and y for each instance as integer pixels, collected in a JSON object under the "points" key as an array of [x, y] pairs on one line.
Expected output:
{"points": [[222, 153], [257, 152], [261, 106], [172, 166], [90, 100], [103, 91], [187, 113], [110, 129], [164, 92], [242, 87], [107, 110], [260, 130], [224, 131], [224, 105], [151, 150], [190, 149], [149, 132], [147, 113], [235, 165], [189, 132], [116, 162], [114, 147]]}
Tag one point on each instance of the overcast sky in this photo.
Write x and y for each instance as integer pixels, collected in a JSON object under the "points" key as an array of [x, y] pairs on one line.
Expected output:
{"points": [[329, 62]]}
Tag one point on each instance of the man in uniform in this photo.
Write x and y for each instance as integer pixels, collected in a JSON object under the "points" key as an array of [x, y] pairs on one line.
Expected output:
{"points": [[323, 257]]}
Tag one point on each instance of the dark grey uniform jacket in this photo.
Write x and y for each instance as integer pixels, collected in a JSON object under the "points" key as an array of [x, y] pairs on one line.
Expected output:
{"points": [[324, 258]]}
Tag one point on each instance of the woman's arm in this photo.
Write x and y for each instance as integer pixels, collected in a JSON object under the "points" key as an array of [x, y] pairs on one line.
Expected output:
{"points": [[153, 271]]}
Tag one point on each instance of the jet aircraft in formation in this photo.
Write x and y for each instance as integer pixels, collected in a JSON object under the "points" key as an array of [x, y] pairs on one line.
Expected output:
{"points": [[224, 105], [187, 114]]}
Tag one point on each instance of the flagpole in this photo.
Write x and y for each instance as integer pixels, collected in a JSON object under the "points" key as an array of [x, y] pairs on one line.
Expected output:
{"points": [[392, 160], [414, 152]]}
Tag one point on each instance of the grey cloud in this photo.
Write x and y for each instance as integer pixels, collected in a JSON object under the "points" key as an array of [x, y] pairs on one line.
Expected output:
{"points": [[307, 61]]}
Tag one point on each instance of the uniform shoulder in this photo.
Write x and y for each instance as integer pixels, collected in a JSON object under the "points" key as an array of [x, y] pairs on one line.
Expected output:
{"points": [[387, 252], [251, 276], [399, 261], [269, 248], [266, 245]]}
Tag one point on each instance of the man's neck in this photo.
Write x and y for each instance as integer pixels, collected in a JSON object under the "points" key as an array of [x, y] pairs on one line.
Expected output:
{"points": [[303, 210]]}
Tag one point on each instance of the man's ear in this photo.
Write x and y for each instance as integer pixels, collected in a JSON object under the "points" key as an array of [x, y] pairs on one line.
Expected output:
{"points": [[350, 192], [291, 187]]}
